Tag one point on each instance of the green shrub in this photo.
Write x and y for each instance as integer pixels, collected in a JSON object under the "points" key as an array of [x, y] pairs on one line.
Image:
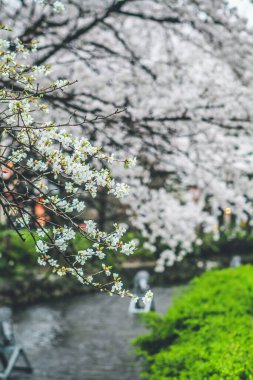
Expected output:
{"points": [[206, 334]]}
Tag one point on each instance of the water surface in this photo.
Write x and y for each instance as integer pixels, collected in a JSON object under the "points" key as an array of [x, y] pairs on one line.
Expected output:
{"points": [[82, 338]]}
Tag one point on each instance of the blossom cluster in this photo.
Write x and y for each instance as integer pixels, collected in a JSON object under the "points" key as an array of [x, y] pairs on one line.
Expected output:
{"points": [[53, 165]]}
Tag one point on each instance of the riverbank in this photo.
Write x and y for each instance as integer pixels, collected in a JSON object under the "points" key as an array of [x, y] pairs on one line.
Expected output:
{"points": [[23, 281], [41, 285], [35, 287]]}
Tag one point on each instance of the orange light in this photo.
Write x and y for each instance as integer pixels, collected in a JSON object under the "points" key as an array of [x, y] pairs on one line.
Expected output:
{"points": [[40, 212]]}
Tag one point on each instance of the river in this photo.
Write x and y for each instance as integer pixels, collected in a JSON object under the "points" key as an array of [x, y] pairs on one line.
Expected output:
{"points": [[82, 338]]}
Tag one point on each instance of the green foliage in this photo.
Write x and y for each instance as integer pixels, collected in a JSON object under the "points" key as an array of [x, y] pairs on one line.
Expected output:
{"points": [[18, 257], [206, 334]]}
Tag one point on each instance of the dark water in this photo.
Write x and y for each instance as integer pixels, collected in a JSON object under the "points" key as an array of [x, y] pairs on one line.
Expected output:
{"points": [[83, 338]]}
